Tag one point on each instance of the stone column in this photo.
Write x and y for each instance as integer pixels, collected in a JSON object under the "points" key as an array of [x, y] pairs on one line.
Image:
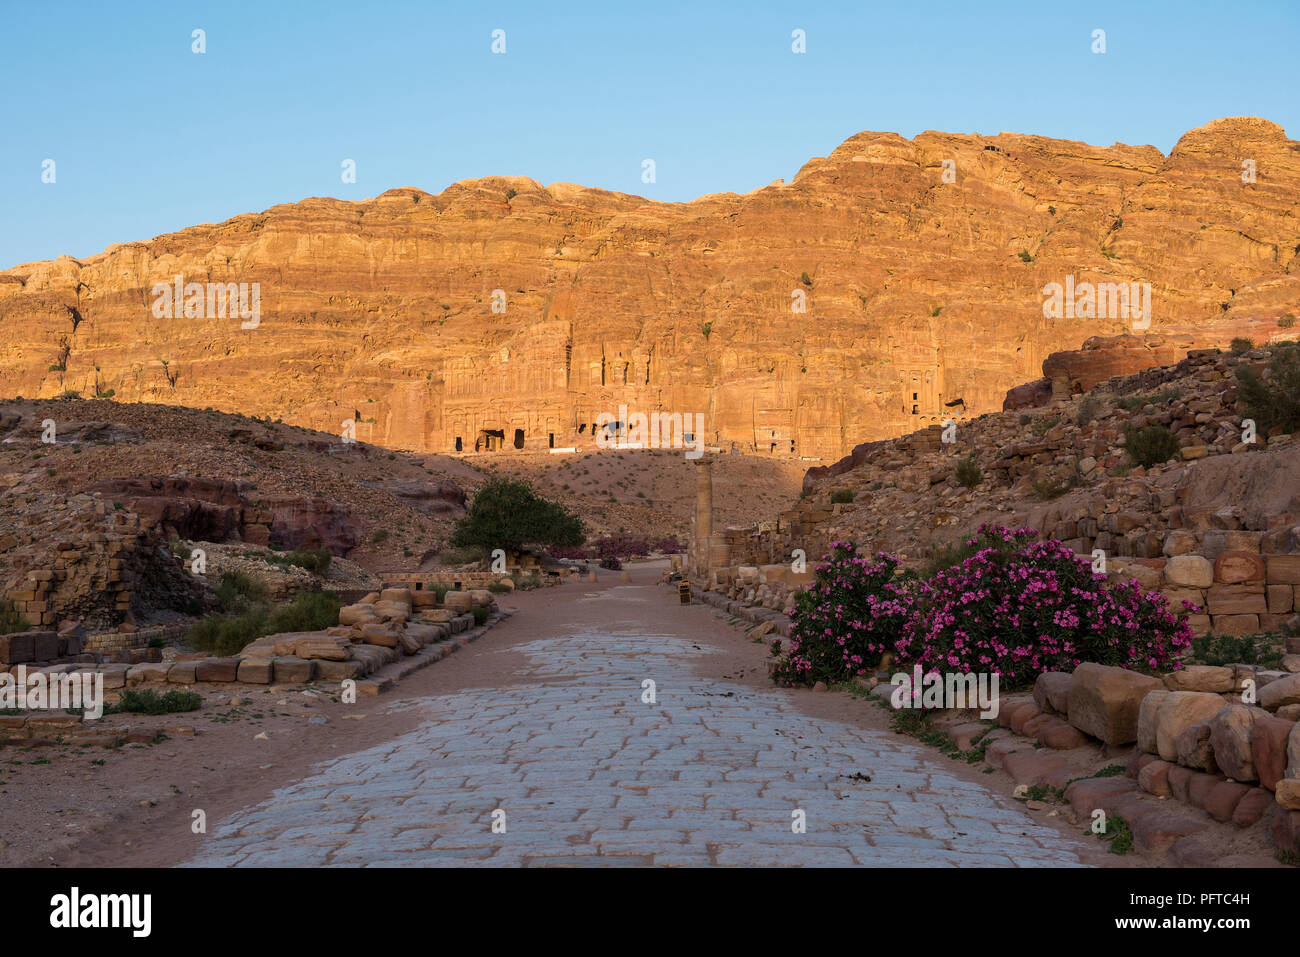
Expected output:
{"points": [[702, 530]]}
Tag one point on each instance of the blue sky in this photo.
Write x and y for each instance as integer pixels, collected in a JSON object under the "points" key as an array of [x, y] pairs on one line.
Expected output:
{"points": [[149, 137]]}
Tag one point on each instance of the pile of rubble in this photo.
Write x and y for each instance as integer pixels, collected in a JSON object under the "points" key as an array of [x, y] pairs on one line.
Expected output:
{"points": [[77, 559]]}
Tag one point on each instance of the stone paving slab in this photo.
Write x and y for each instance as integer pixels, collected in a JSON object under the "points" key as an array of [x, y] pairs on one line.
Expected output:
{"points": [[588, 775]]}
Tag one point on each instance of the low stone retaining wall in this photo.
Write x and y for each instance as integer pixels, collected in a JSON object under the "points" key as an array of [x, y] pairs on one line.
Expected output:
{"points": [[109, 642], [1225, 740], [760, 616]]}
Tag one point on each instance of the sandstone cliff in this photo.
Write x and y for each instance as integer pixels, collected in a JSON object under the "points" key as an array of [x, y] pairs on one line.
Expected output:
{"points": [[923, 297]]}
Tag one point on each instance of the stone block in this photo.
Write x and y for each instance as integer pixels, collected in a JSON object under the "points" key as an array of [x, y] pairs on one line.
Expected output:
{"points": [[17, 649], [1280, 599], [1223, 798], [1189, 571], [1235, 625], [147, 673], [1283, 569], [1287, 794], [1180, 710], [45, 645], [183, 673], [392, 610], [384, 635], [1230, 738], [293, 671], [1252, 807], [1238, 567], [327, 670], [1148, 712], [256, 671], [359, 614], [1279, 692], [1104, 701], [1052, 691], [1195, 749], [217, 669], [458, 602], [1200, 786], [1236, 600], [1154, 778], [1200, 678], [1268, 749]]}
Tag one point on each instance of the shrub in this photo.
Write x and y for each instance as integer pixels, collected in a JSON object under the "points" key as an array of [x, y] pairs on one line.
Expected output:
{"points": [[509, 514], [1241, 344], [179, 548], [498, 588], [1025, 257], [237, 590], [969, 474], [1286, 322], [11, 619], [1275, 402], [846, 621], [315, 560], [309, 611], [148, 701], [610, 562], [841, 496], [380, 535], [1019, 607], [1025, 418], [1151, 445], [1014, 606], [1214, 649], [480, 614], [226, 635]]}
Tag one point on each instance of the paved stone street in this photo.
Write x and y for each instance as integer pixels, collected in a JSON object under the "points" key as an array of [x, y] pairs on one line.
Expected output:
{"points": [[588, 774]]}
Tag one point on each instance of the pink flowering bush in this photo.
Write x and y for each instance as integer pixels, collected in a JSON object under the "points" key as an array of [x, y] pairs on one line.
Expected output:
{"points": [[851, 615], [1019, 607], [1015, 607]]}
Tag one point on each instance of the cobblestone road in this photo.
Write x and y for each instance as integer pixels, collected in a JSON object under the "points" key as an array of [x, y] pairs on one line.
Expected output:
{"points": [[588, 774]]}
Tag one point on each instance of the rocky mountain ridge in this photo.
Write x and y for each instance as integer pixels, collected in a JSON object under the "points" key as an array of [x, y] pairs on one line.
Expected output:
{"points": [[889, 285]]}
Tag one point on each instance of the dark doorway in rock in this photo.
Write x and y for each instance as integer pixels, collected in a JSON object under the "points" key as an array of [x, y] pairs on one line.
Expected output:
{"points": [[490, 440], [519, 438], [459, 444], [550, 438]]}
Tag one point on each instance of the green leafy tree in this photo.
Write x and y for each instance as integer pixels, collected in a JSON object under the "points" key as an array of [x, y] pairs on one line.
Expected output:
{"points": [[509, 514]]}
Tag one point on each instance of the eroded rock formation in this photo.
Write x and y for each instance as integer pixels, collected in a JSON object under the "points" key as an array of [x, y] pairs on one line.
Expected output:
{"points": [[501, 313]]}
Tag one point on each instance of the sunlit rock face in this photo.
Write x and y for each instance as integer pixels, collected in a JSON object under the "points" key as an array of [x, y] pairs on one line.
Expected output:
{"points": [[890, 285]]}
